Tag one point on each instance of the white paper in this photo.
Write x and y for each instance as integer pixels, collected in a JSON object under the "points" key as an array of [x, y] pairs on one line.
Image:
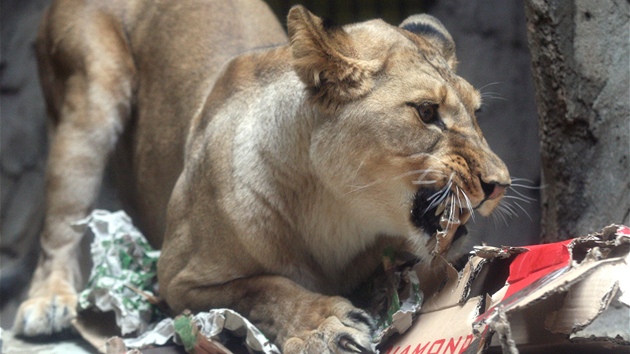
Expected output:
{"points": [[211, 324], [124, 263]]}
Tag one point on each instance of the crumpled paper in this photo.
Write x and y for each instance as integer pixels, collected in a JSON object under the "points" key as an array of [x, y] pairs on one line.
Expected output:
{"points": [[123, 273], [211, 324], [404, 296], [123, 277]]}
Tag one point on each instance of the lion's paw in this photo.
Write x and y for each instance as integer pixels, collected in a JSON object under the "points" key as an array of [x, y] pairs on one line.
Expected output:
{"points": [[352, 333], [45, 315]]}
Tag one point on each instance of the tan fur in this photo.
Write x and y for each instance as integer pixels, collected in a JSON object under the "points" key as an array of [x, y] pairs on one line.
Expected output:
{"points": [[290, 167]]}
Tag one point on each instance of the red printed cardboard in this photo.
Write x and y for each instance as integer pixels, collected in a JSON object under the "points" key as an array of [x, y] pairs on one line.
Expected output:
{"points": [[566, 296], [453, 336]]}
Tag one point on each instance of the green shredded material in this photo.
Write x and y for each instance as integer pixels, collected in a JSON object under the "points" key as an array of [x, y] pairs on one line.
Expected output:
{"points": [[393, 308], [124, 271], [185, 329]]}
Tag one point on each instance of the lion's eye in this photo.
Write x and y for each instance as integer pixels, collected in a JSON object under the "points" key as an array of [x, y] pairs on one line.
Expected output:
{"points": [[428, 113]]}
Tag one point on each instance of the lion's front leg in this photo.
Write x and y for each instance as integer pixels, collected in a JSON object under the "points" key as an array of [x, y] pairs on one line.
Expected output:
{"points": [[297, 320], [88, 86]]}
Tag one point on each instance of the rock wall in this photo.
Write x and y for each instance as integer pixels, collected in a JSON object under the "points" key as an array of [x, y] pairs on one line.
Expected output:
{"points": [[581, 62], [23, 152]]}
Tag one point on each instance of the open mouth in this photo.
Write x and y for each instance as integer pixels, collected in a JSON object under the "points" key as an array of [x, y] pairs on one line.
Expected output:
{"points": [[442, 215]]}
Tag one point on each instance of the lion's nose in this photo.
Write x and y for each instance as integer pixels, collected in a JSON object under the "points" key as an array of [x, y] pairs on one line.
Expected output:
{"points": [[492, 189]]}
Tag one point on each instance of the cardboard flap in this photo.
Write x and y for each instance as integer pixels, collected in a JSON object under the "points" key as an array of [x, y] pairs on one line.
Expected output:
{"points": [[537, 262], [567, 296], [456, 288], [557, 281], [445, 331], [442, 295], [588, 298]]}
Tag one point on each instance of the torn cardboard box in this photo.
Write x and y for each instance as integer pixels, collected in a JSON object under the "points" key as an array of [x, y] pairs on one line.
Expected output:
{"points": [[567, 296]]}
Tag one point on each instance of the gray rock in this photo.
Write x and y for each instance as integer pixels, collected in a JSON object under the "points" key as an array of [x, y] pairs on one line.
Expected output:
{"points": [[581, 56]]}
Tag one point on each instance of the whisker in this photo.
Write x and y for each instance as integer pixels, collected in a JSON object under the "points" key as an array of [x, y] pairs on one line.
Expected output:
{"points": [[358, 188], [519, 179], [469, 204], [493, 95], [511, 214], [496, 98], [490, 84], [501, 212], [523, 209], [495, 219], [424, 154], [439, 200], [451, 213], [421, 180], [418, 182], [435, 199], [510, 205], [459, 201], [522, 195], [402, 175], [501, 208], [439, 194], [518, 198], [426, 171], [529, 184], [434, 195], [507, 206], [445, 189], [356, 173], [490, 94], [526, 187]]}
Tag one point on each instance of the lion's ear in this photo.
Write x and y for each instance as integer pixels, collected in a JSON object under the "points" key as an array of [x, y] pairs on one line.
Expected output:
{"points": [[325, 60], [432, 30]]}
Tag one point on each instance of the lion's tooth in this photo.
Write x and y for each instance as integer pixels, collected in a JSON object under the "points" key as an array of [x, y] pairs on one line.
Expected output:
{"points": [[440, 209], [444, 239], [444, 222], [455, 216], [449, 226]]}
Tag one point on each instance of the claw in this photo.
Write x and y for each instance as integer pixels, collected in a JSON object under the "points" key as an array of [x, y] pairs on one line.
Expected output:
{"points": [[351, 346]]}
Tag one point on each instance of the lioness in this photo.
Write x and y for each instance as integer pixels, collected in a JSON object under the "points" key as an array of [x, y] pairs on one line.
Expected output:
{"points": [[270, 174]]}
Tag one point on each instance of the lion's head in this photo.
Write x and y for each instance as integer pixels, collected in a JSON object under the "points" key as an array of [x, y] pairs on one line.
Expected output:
{"points": [[397, 135]]}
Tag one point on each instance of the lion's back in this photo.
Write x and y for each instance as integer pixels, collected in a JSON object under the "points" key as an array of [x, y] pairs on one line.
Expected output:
{"points": [[178, 48]]}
